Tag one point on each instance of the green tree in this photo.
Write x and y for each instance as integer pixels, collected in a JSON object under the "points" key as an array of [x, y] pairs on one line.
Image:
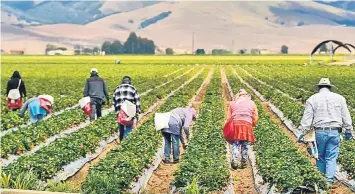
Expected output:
{"points": [[106, 46], [96, 49], [87, 51], [284, 49], [220, 52], [131, 44], [116, 47], [200, 52], [169, 51]]}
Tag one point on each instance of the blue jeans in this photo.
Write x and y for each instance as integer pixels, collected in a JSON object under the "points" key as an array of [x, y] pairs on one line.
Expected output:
{"points": [[237, 147], [124, 131], [328, 143], [171, 140]]}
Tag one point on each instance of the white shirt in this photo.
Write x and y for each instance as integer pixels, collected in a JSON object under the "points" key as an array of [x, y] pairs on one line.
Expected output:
{"points": [[326, 109]]}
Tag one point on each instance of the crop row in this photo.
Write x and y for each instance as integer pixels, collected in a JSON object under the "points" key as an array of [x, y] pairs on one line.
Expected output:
{"points": [[123, 165], [293, 111], [28, 137], [49, 160], [205, 158], [284, 103], [67, 93], [303, 78], [278, 160]]}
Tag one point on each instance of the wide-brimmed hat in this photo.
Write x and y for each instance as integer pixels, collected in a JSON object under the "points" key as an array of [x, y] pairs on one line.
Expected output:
{"points": [[325, 82], [94, 70]]}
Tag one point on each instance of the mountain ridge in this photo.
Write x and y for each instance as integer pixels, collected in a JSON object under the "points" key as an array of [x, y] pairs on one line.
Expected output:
{"points": [[171, 24]]}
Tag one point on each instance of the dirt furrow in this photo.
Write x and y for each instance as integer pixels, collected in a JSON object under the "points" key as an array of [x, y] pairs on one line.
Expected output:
{"points": [[339, 187], [163, 175], [242, 179], [79, 178]]}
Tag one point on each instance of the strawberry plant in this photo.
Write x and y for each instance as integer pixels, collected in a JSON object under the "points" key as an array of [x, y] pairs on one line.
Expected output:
{"points": [[278, 160], [123, 165], [206, 156], [49, 160]]}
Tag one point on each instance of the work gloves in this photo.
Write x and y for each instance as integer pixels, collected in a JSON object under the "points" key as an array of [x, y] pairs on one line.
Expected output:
{"points": [[300, 138], [349, 135]]}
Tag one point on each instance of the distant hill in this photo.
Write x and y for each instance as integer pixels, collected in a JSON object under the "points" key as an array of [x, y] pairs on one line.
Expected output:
{"points": [[263, 24]]}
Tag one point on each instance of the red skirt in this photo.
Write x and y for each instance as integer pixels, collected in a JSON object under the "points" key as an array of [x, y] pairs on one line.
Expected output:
{"points": [[238, 130]]}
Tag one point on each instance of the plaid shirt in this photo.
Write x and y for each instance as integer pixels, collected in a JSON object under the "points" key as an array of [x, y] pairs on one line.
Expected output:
{"points": [[126, 92]]}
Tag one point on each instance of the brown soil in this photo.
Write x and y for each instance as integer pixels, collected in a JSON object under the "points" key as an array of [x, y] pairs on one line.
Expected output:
{"points": [[339, 187], [242, 179], [79, 178], [160, 180]]}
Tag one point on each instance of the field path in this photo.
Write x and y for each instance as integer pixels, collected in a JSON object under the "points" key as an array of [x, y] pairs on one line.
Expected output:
{"points": [[81, 175], [164, 174], [242, 179], [340, 188]]}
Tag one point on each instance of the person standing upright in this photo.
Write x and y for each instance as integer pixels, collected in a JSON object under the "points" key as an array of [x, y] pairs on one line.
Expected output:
{"points": [[126, 92], [327, 113], [15, 91], [96, 89]]}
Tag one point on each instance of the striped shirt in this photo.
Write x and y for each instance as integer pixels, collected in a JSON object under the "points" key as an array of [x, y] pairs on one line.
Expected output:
{"points": [[126, 92]]}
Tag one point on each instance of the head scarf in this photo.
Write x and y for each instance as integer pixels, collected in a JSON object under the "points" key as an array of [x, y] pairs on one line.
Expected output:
{"points": [[242, 95], [16, 74]]}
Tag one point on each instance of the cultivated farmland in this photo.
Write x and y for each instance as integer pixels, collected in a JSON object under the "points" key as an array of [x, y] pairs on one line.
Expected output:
{"points": [[67, 153]]}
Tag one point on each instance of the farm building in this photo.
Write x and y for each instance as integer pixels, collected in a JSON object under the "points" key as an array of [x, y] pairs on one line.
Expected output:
{"points": [[17, 52], [55, 52]]}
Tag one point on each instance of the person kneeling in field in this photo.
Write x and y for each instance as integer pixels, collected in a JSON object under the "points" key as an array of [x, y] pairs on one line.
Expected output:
{"points": [[180, 119], [126, 92], [238, 131], [38, 107], [327, 113]]}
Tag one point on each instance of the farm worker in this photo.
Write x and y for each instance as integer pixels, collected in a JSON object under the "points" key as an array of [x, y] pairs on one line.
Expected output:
{"points": [[15, 91], [96, 89], [38, 107], [327, 113], [238, 131], [126, 92], [180, 119]]}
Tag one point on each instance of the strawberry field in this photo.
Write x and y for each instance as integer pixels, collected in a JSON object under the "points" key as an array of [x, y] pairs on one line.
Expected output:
{"points": [[67, 153]]}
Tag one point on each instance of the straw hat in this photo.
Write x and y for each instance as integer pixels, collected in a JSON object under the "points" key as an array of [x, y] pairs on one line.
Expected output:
{"points": [[325, 82], [94, 70]]}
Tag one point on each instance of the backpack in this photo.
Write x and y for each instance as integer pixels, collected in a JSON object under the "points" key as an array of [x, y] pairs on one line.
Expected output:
{"points": [[14, 94]]}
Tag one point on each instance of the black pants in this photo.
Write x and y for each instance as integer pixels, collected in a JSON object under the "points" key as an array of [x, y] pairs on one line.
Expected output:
{"points": [[96, 108]]}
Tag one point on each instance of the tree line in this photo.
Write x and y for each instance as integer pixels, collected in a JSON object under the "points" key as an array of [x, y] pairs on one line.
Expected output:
{"points": [[133, 45]]}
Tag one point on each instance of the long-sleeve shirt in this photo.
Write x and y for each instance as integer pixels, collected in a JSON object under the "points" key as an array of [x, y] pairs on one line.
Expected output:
{"points": [[183, 117], [326, 109], [245, 110], [13, 84], [95, 87], [126, 92]]}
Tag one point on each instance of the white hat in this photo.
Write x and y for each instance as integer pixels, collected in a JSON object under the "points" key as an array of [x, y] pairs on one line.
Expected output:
{"points": [[325, 82], [94, 70], [47, 97]]}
